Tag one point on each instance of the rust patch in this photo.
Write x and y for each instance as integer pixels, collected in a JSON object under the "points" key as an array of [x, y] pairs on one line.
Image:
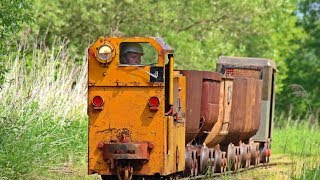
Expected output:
{"points": [[124, 135], [203, 89], [245, 109], [109, 130], [137, 151]]}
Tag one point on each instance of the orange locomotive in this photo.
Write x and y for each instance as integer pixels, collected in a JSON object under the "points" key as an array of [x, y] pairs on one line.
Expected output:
{"points": [[148, 120]]}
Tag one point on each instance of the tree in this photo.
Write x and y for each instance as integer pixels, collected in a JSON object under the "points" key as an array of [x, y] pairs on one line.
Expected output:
{"points": [[200, 31], [304, 65], [12, 15]]}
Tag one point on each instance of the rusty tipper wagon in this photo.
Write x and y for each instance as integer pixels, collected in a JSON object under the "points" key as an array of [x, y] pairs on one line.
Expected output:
{"points": [[148, 120]]}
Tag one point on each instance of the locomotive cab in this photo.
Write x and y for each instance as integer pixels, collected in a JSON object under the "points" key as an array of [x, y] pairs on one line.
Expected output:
{"points": [[136, 105]]}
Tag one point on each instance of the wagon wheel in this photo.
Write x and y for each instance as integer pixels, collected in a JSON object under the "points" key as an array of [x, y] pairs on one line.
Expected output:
{"points": [[212, 164], [232, 157], [238, 157], [255, 153], [204, 159], [220, 160], [248, 155], [224, 161]]}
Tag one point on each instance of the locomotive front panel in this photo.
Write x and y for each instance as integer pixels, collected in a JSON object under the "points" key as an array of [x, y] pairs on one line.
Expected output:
{"points": [[124, 119], [132, 129]]}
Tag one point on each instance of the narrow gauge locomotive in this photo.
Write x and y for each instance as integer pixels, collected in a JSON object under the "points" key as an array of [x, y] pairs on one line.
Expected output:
{"points": [[149, 120]]}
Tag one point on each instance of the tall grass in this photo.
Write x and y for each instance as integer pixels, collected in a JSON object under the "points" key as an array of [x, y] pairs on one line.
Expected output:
{"points": [[299, 140], [43, 125], [295, 151]]}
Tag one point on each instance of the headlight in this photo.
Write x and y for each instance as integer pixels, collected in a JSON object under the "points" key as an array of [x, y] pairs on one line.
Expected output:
{"points": [[104, 53]]}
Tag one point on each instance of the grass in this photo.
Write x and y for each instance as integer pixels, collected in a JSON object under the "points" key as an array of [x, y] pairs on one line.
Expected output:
{"points": [[300, 142], [43, 112], [295, 149]]}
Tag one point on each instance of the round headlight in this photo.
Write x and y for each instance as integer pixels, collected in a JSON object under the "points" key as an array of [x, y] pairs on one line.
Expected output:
{"points": [[104, 53]]}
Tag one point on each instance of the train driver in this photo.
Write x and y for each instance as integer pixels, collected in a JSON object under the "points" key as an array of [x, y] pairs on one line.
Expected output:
{"points": [[130, 53]]}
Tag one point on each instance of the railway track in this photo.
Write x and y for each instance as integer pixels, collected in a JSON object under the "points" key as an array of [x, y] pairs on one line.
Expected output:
{"points": [[239, 171]]}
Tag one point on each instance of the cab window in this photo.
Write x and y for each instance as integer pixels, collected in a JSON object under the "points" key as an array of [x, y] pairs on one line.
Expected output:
{"points": [[133, 53]]}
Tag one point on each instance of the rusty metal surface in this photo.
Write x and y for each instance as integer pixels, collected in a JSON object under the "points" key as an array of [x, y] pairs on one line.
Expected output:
{"points": [[245, 110], [166, 48], [221, 128], [202, 102], [138, 151], [209, 105], [241, 67], [243, 72], [245, 61], [213, 76], [213, 137], [194, 85]]}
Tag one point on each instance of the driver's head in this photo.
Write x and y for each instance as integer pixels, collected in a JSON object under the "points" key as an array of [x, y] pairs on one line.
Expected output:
{"points": [[131, 53]]}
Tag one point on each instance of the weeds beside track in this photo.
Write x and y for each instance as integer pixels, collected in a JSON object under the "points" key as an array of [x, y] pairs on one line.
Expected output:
{"points": [[42, 111]]}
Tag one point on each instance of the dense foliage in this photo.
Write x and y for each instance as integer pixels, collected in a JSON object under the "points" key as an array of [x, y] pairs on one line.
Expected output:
{"points": [[304, 65], [201, 31], [12, 15]]}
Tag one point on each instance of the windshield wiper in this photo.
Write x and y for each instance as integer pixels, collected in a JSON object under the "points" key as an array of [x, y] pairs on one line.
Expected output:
{"points": [[155, 75]]}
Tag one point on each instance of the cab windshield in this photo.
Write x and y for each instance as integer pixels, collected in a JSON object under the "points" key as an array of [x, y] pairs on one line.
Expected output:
{"points": [[137, 54]]}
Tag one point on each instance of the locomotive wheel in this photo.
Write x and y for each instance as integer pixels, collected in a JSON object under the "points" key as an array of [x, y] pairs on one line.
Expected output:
{"points": [[119, 171], [189, 162], [194, 170], [127, 172]]}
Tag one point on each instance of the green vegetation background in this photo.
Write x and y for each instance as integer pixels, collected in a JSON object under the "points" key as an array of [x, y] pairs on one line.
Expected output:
{"points": [[43, 64]]}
